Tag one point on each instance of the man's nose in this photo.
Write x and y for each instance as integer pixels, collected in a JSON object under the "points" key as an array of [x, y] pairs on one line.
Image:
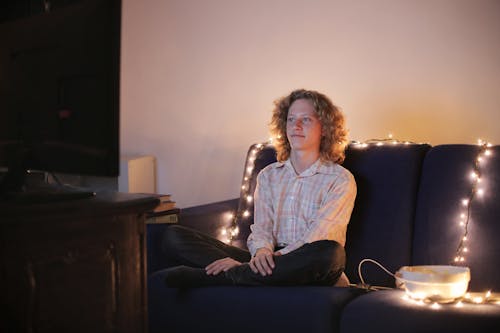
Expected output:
{"points": [[298, 123]]}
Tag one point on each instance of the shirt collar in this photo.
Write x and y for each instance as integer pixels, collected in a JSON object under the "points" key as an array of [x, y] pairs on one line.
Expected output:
{"points": [[318, 167]]}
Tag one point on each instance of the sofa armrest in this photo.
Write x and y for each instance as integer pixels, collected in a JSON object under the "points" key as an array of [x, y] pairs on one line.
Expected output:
{"points": [[209, 218]]}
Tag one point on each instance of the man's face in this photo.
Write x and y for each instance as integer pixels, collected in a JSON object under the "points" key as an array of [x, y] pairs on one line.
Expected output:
{"points": [[303, 128]]}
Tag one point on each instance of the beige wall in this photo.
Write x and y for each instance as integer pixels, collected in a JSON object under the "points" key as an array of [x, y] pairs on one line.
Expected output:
{"points": [[199, 77]]}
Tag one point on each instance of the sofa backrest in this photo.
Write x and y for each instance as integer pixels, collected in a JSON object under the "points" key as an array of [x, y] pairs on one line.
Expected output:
{"points": [[446, 182], [381, 226]]}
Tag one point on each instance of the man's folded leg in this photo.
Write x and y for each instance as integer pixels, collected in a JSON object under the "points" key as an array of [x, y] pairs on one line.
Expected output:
{"points": [[317, 263]]}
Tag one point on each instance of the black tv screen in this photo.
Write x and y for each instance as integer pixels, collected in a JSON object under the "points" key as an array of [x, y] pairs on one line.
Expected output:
{"points": [[59, 89]]}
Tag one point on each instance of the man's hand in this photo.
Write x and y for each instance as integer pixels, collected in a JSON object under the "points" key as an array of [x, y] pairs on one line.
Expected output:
{"points": [[263, 262], [221, 265]]}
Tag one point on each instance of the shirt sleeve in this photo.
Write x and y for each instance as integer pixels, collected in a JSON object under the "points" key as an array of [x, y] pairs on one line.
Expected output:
{"points": [[262, 228], [332, 218]]}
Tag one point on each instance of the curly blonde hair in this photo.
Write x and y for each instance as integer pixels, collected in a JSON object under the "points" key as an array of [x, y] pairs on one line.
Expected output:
{"points": [[334, 139]]}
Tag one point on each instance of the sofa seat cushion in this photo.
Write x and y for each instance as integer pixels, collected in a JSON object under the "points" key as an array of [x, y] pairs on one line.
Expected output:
{"points": [[245, 309], [390, 311]]}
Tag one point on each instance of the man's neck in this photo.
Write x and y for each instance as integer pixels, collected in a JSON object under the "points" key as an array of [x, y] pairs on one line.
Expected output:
{"points": [[302, 160]]}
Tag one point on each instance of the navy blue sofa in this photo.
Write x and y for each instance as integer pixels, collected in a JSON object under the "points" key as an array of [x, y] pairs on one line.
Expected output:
{"points": [[407, 212]]}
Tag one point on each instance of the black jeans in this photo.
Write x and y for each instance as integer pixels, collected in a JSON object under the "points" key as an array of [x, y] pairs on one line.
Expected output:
{"points": [[317, 263]]}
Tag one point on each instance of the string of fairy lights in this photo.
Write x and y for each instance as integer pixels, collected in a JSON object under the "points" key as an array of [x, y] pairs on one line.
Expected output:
{"points": [[475, 190], [390, 140], [246, 196]]}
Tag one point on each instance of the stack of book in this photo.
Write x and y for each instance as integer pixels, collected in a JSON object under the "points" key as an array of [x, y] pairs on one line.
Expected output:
{"points": [[165, 212]]}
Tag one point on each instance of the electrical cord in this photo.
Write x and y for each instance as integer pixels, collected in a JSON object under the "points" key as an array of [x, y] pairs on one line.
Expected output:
{"points": [[363, 284]]}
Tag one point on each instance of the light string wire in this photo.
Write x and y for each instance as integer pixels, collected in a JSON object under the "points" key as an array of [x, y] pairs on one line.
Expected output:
{"points": [[381, 142]]}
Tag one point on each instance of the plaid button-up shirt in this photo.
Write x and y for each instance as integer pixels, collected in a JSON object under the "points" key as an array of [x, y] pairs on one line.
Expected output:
{"points": [[296, 209]]}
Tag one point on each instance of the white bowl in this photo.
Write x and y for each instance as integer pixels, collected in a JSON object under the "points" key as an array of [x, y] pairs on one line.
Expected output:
{"points": [[434, 282]]}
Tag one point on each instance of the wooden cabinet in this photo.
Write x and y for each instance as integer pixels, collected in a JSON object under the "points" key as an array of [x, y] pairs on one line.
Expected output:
{"points": [[74, 266]]}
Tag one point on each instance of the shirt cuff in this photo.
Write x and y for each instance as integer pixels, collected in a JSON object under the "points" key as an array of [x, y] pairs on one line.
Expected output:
{"points": [[291, 247], [254, 247]]}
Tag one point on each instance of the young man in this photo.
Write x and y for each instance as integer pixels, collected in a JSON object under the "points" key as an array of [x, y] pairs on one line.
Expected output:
{"points": [[302, 204]]}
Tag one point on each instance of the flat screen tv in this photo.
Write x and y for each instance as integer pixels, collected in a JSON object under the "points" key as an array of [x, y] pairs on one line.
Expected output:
{"points": [[59, 92]]}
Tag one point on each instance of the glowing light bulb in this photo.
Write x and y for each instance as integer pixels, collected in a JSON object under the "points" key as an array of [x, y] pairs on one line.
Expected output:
{"points": [[465, 202], [435, 306], [246, 213], [478, 299], [249, 198]]}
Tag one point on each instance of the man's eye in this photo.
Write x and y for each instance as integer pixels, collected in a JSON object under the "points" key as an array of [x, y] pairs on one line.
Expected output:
{"points": [[306, 120], [290, 119]]}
